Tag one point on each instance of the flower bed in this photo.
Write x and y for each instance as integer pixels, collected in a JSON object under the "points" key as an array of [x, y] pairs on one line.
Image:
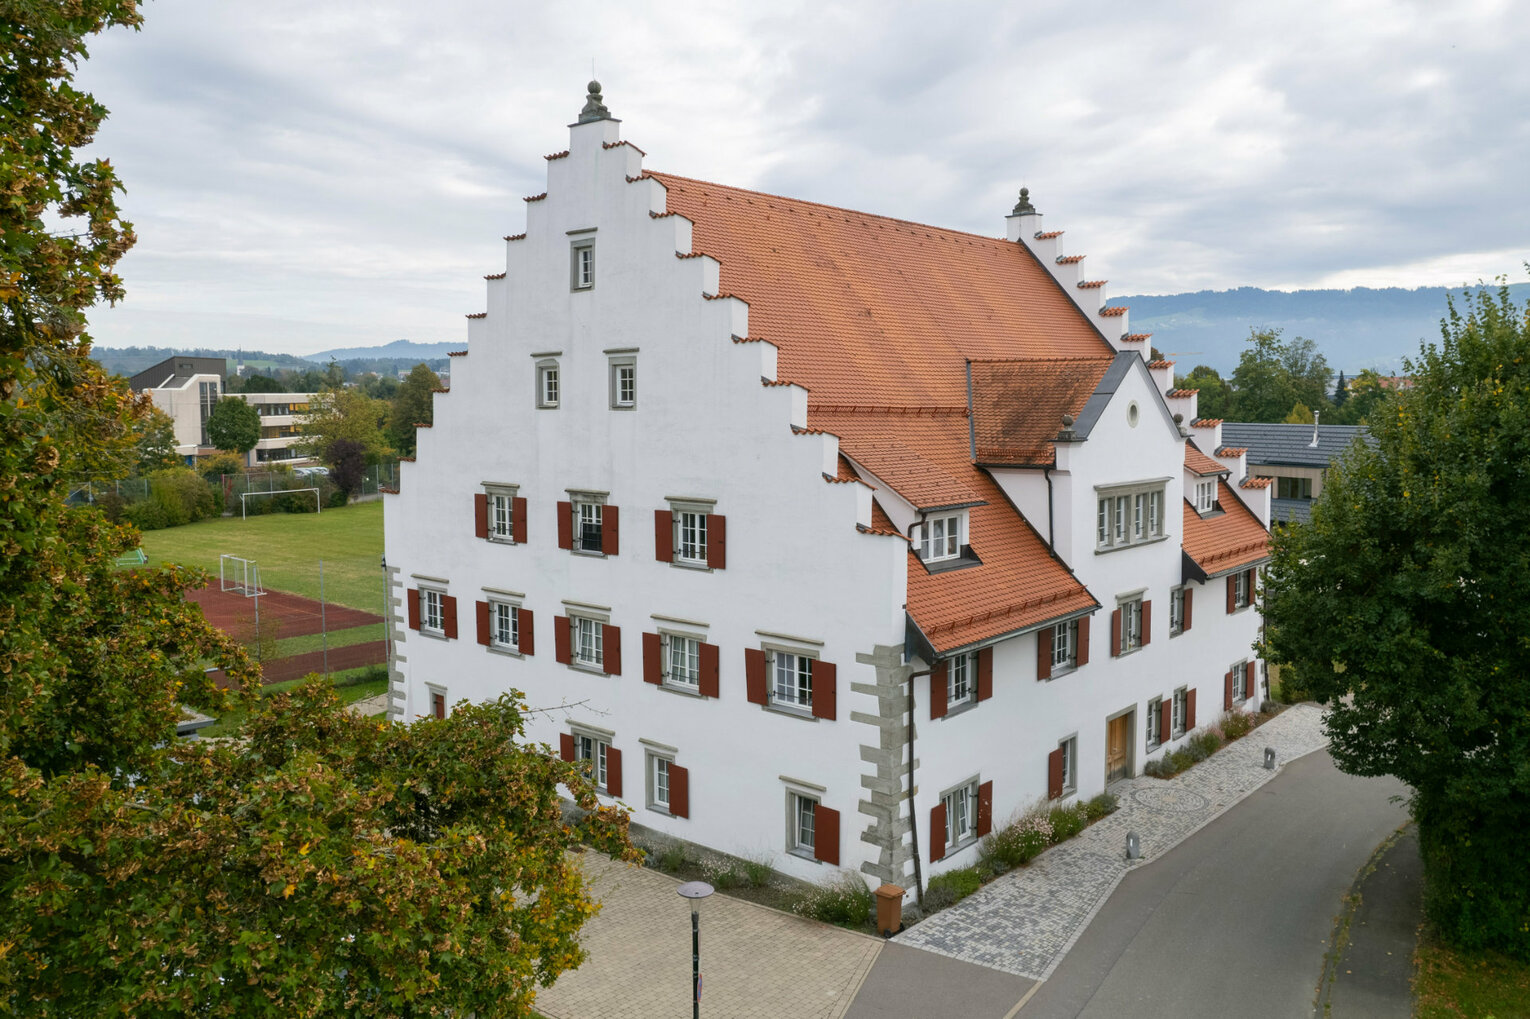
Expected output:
{"points": [[1233, 725]]}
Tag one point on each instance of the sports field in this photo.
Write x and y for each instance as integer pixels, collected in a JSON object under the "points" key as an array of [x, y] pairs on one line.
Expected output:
{"points": [[288, 547]]}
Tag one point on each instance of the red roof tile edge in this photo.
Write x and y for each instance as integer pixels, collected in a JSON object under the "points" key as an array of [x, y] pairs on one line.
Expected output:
{"points": [[1232, 451], [479, 314], [556, 155], [1114, 311], [1254, 483], [535, 198], [495, 276], [617, 145], [456, 353], [515, 237]]}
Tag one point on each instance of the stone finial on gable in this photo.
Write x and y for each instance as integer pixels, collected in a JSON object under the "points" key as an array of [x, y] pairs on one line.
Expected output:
{"points": [[1024, 207], [594, 106]]}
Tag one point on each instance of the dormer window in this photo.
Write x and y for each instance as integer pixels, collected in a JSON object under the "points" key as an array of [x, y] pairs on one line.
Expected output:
{"points": [[1129, 515], [940, 538], [1205, 495]]}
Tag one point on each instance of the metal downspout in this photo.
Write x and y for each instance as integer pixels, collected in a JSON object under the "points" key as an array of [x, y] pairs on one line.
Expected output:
{"points": [[913, 815]]}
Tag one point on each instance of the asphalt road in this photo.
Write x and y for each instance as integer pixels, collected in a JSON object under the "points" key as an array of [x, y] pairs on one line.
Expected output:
{"points": [[1234, 921]]}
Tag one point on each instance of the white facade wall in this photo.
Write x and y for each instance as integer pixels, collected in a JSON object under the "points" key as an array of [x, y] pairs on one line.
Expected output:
{"points": [[184, 405], [704, 427]]}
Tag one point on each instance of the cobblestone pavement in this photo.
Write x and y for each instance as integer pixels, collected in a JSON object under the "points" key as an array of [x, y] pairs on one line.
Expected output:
{"points": [[755, 962], [369, 706], [1025, 922]]}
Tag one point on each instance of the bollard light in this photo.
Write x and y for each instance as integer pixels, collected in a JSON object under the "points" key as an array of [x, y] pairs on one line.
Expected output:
{"points": [[1133, 847], [1269, 758], [694, 892]]}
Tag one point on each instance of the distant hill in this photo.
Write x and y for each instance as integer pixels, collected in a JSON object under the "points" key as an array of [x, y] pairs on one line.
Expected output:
{"points": [[1355, 329], [398, 349], [130, 361]]}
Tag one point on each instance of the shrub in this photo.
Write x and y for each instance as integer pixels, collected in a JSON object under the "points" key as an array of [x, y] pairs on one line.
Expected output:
{"points": [[758, 871], [1154, 768], [1207, 742], [213, 467], [845, 902], [336, 499], [938, 897], [962, 882], [1292, 689], [1066, 822], [112, 505], [670, 860], [722, 874], [1103, 804], [146, 516], [1236, 725]]}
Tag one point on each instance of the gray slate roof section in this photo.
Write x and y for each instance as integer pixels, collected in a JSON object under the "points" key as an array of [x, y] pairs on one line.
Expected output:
{"points": [[1291, 445], [1286, 510]]}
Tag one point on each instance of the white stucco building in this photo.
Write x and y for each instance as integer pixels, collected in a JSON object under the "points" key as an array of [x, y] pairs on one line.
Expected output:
{"points": [[842, 538], [187, 388]]}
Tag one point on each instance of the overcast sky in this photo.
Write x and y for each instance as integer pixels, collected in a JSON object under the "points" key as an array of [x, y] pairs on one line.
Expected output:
{"points": [[309, 174]]}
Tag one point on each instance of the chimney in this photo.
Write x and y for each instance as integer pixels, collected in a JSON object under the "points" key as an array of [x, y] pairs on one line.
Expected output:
{"points": [[1316, 416]]}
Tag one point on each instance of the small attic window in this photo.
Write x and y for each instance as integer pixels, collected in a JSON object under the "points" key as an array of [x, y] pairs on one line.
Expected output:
{"points": [[942, 542], [1205, 495]]}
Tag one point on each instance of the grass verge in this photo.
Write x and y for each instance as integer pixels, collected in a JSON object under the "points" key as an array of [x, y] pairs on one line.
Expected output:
{"points": [[288, 547], [337, 638], [1451, 984]]}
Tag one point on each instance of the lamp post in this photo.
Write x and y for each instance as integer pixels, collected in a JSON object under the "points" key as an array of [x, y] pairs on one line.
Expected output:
{"points": [[695, 891]]}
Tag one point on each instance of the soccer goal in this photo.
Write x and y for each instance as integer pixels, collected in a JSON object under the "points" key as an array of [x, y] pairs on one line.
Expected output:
{"points": [[244, 510], [241, 575]]}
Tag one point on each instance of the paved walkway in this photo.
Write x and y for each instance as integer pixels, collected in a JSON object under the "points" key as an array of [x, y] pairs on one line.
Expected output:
{"points": [[755, 962], [1024, 922], [1369, 971], [369, 706]]}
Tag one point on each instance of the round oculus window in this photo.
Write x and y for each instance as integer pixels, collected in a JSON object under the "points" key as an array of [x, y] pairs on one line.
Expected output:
{"points": [[1131, 413]]}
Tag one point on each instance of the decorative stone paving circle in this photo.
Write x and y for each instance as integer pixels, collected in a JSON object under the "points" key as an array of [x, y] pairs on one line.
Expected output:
{"points": [[1168, 797]]}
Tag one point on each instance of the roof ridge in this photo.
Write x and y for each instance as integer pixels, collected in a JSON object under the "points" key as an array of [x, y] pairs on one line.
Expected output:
{"points": [[917, 411], [1078, 359]]}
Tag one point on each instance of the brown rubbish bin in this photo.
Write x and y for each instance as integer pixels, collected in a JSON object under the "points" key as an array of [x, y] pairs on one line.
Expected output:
{"points": [[889, 910]]}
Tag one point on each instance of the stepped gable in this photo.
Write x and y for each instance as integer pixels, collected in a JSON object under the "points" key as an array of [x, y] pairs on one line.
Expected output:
{"points": [[873, 310], [1018, 405], [1223, 542], [1019, 584]]}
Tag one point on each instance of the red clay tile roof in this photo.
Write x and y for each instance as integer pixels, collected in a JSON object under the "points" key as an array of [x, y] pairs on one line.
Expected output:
{"points": [[1091, 284], [1255, 483], [495, 276], [1136, 338], [617, 145], [846, 471], [535, 198], [872, 310], [1231, 540], [880, 521], [1160, 363], [479, 314], [1017, 405], [919, 482], [1199, 463], [1114, 311], [556, 155], [1048, 235], [1205, 422], [515, 237], [1069, 259], [456, 353], [1180, 394], [1231, 451]]}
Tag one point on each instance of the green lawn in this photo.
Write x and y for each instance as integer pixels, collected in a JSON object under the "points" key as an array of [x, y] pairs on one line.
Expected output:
{"points": [[287, 646], [288, 547], [1457, 985]]}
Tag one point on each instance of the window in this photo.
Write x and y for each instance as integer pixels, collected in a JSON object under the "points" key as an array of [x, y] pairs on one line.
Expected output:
{"points": [[1129, 515], [1180, 710], [437, 703], [691, 534], [548, 387], [1293, 488], [802, 834], [793, 680], [592, 749], [1131, 625], [1206, 495], [589, 645], [961, 806], [1176, 611], [1069, 748], [582, 265], [624, 382], [1064, 645], [504, 626], [658, 782], [691, 537], [208, 393], [941, 538], [961, 681], [588, 520], [497, 513], [432, 611], [683, 661], [1242, 588], [1155, 723], [1240, 681]]}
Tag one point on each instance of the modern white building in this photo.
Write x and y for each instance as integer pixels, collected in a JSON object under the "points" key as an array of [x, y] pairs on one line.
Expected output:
{"points": [[822, 535], [187, 388], [281, 418]]}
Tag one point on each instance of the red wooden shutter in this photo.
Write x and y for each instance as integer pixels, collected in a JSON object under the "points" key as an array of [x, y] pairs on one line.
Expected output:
{"points": [[711, 659], [483, 622], [1189, 710], [985, 674], [985, 808], [1147, 622], [610, 522], [611, 649], [560, 639], [449, 616], [1189, 599], [1055, 774], [438, 705], [1115, 633], [717, 542], [938, 832], [939, 690], [826, 834], [754, 675], [566, 525], [664, 536], [1232, 593], [1227, 690], [679, 791], [566, 745], [825, 696], [1083, 640], [480, 515], [1165, 720], [653, 666], [525, 631], [1044, 653], [518, 521], [412, 596], [613, 771], [1250, 681]]}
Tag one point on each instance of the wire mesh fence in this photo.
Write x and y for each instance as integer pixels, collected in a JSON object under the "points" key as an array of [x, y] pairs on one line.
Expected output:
{"points": [[230, 488]]}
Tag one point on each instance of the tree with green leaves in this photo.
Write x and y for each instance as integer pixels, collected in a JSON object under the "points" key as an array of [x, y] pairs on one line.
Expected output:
{"points": [[325, 864], [1364, 394], [260, 384], [1402, 606], [412, 405], [1274, 375], [155, 448], [233, 426], [1216, 397], [343, 414]]}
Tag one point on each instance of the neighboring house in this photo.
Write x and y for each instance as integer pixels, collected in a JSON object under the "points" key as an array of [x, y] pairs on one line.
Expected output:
{"points": [[187, 389], [817, 533], [1294, 458]]}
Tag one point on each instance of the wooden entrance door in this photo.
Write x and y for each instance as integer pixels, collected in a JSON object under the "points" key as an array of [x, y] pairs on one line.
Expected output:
{"points": [[1118, 748]]}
